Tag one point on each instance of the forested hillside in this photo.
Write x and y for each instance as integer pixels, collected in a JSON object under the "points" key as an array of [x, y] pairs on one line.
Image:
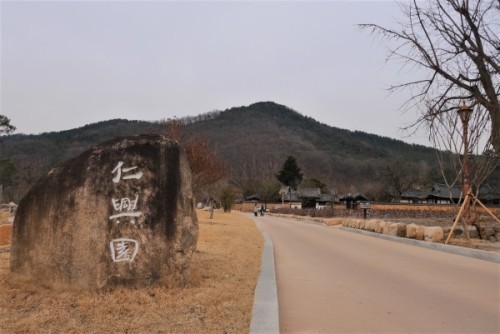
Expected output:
{"points": [[258, 138], [254, 141]]}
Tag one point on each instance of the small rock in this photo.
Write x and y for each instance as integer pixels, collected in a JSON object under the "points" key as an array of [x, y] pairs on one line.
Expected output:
{"points": [[362, 224], [433, 233], [488, 231], [473, 233], [420, 232], [397, 229], [411, 231]]}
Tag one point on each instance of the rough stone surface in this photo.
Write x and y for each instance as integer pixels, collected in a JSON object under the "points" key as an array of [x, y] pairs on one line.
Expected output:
{"points": [[397, 229], [385, 228], [376, 226], [370, 225], [433, 233], [362, 224], [473, 233], [401, 230], [382, 226], [120, 213], [488, 232], [411, 231], [497, 236], [420, 232]]}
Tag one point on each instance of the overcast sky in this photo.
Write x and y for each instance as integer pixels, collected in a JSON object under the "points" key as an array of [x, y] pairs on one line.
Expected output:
{"points": [[65, 64]]}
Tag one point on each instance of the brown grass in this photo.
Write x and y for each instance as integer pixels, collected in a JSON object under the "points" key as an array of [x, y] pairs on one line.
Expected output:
{"points": [[5, 234], [218, 300], [4, 217]]}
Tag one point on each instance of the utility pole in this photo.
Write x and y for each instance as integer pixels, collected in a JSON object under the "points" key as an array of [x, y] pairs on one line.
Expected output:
{"points": [[465, 111]]}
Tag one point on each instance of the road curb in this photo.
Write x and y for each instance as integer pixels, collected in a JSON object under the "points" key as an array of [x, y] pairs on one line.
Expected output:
{"points": [[265, 313], [462, 251]]}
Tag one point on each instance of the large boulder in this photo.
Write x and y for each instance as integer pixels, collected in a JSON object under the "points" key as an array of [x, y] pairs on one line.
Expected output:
{"points": [[120, 213]]}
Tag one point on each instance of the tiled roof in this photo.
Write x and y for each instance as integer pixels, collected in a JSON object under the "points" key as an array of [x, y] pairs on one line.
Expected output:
{"points": [[310, 192], [294, 195], [415, 193], [486, 192], [254, 197], [440, 190], [326, 198], [356, 197]]}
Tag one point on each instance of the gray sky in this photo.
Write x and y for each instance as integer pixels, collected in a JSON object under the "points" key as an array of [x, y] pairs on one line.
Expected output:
{"points": [[65, 64]]}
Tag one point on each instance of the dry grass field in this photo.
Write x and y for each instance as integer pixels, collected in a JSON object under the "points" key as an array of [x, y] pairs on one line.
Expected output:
{"points": [[4, 216], [219, 298]]}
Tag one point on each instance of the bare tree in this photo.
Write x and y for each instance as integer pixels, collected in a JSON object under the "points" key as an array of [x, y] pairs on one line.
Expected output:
{"points": [[462, 146], [457, 45], [450, 137], [206, 167], [400, 176], [172, 129]]}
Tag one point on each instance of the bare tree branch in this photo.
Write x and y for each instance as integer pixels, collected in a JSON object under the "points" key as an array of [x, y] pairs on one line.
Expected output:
{"points": [[457, 44]]}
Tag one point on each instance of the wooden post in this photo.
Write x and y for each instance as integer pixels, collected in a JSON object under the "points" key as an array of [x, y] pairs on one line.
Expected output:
{"points": [[486, 209], [459, 215], [464, 113], [476, 200]]}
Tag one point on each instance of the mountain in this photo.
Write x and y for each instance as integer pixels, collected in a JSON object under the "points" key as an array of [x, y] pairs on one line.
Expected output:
{"points": [[253, 140], [258, 138]]}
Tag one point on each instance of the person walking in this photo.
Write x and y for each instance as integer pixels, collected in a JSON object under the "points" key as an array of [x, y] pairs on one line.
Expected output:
{"points": [[255, 210]]}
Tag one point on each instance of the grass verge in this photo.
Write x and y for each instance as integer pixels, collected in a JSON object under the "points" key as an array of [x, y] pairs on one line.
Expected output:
{"points": [[219, 298]]}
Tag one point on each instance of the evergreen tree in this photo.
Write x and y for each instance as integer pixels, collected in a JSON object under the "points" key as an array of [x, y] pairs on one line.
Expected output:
{"points": [[227, 197], [290, 175], [5, 126]]}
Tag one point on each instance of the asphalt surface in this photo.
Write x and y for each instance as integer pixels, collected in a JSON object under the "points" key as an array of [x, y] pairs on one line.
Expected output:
{"points": [[333, 281]]}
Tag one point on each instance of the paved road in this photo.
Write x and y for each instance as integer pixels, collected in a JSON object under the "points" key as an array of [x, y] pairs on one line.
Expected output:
{"points": [[334, 281]]}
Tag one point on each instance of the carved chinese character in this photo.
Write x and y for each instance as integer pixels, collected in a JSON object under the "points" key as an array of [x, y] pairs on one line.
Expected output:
{"points": [[125, 203], [119, 170], [125, 207], [123, 249]]}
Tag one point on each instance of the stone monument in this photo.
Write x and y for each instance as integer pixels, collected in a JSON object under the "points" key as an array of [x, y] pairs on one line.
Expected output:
{"points": [[119, 213]]}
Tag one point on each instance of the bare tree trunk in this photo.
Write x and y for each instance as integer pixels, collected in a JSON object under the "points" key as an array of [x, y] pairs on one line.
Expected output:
{"points": [[495, 133], [211, 209]]}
